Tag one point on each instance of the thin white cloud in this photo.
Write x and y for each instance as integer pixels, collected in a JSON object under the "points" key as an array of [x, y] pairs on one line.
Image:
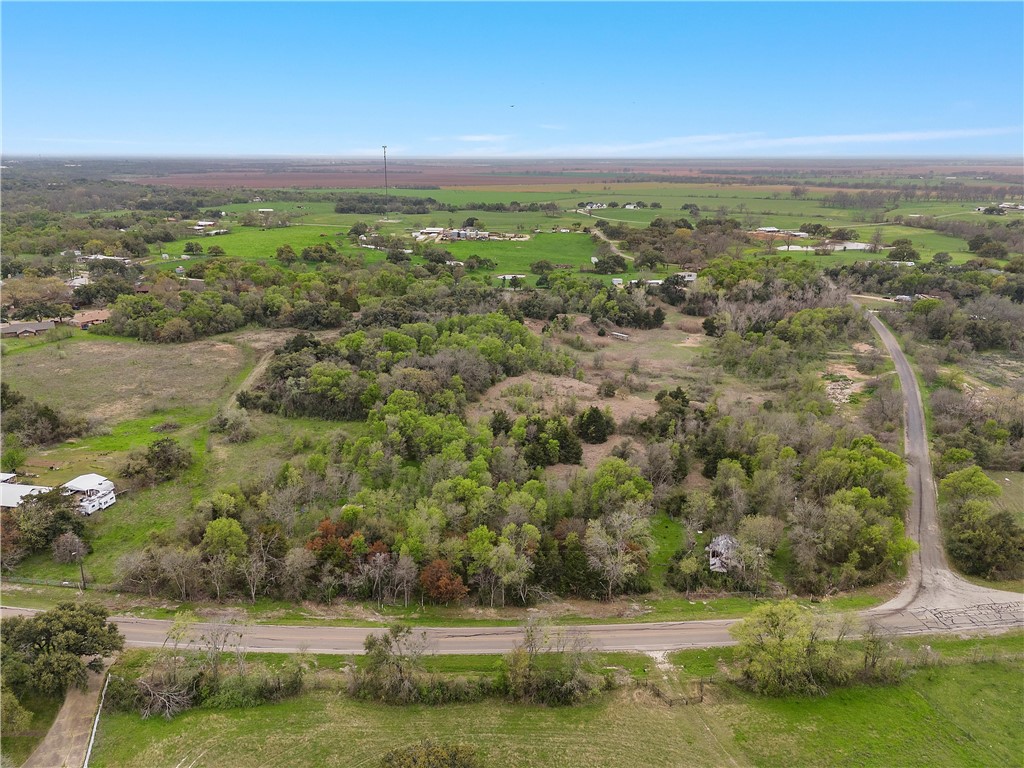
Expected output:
{"points": [[109, 142], [670, 145], [726, 144], [484, 137], [878, 138]]}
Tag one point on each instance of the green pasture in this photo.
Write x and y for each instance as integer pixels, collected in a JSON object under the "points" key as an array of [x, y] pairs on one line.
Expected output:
{"points": [[1012, 484], [753, 205], [964, 711], [668, 536]]}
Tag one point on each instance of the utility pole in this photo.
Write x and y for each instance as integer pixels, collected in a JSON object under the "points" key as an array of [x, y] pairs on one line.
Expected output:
{"points": [[385, 182], [81, 569]]}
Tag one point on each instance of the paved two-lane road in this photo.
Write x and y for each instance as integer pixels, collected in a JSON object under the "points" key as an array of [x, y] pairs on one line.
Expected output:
{"points": [[934, 595]]}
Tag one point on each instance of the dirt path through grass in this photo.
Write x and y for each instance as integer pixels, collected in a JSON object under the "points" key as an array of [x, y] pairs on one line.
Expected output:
{"points": [[252, 378]]}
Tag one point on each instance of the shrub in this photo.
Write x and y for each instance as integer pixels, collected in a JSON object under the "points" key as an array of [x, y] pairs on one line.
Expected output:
{"points": [[428, 754], [161, 461], [594, 425]]}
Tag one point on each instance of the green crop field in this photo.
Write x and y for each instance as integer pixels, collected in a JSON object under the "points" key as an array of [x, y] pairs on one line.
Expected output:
{"points": [[958, 715]]}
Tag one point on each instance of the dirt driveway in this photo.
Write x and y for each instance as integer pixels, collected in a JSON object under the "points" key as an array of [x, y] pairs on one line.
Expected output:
{"points": [[65, 744]]}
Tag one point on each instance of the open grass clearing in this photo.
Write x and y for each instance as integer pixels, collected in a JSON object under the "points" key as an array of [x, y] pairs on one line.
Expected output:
{"points": [[948, 715], [668, 537], [112, 380]]}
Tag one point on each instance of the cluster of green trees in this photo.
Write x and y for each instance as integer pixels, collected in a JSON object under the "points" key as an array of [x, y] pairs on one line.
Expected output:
{"points": [[48, 653], [438, 364], [981, 539], [40, 523], [237, 293], [36, 297], [536, 671], [30, 422], [785, 650], [677, 241], [786, 345], [484, 525], [564, 292]]}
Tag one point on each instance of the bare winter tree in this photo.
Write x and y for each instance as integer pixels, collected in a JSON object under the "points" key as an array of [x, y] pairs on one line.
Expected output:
{"points": [[404, 577], [296, 571], [68, 548], [218, 571], [615, 543], [181, 567]]}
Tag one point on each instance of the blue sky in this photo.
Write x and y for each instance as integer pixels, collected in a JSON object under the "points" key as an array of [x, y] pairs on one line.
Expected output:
{"points": [[580, 79]]}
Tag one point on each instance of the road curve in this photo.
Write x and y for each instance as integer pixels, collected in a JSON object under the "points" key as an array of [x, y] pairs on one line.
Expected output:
{"points": [[933, 593], [934, 600]]}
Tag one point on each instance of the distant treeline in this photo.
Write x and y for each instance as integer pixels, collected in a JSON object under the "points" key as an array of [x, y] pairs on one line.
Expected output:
{"points": [[370, 203]]}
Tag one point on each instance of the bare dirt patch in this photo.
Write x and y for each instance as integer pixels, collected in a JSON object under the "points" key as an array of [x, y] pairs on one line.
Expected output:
{"points": [[843, 381], [269, 339]]}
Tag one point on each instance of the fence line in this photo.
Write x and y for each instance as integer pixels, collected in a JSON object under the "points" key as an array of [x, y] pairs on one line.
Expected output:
{"points": [[55, 583], [96, 721]]}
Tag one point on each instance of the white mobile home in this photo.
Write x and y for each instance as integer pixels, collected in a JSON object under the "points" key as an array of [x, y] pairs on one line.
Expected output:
{"points": [[93, 492]]}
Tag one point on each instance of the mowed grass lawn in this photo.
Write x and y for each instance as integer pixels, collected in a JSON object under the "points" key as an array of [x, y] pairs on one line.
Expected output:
{"points": [[965, 715]]}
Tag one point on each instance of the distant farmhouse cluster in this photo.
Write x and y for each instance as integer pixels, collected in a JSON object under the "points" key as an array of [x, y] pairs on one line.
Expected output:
{"points": [[92, 492], [449, 234], [783, 232], [1000, 208]]}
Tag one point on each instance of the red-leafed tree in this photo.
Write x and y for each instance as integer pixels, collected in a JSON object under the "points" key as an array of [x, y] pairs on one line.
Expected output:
{"points": [[440, 584]]}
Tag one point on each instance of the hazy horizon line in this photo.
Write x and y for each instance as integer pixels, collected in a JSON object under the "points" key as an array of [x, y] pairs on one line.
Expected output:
{"points": [[506, 159]]}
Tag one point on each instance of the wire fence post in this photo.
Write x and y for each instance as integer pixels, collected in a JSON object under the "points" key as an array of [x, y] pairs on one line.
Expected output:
{"points": [[96, 721]]}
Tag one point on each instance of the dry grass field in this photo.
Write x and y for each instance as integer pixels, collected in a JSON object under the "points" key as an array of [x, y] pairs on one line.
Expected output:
{"points": [[110, 381]]}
